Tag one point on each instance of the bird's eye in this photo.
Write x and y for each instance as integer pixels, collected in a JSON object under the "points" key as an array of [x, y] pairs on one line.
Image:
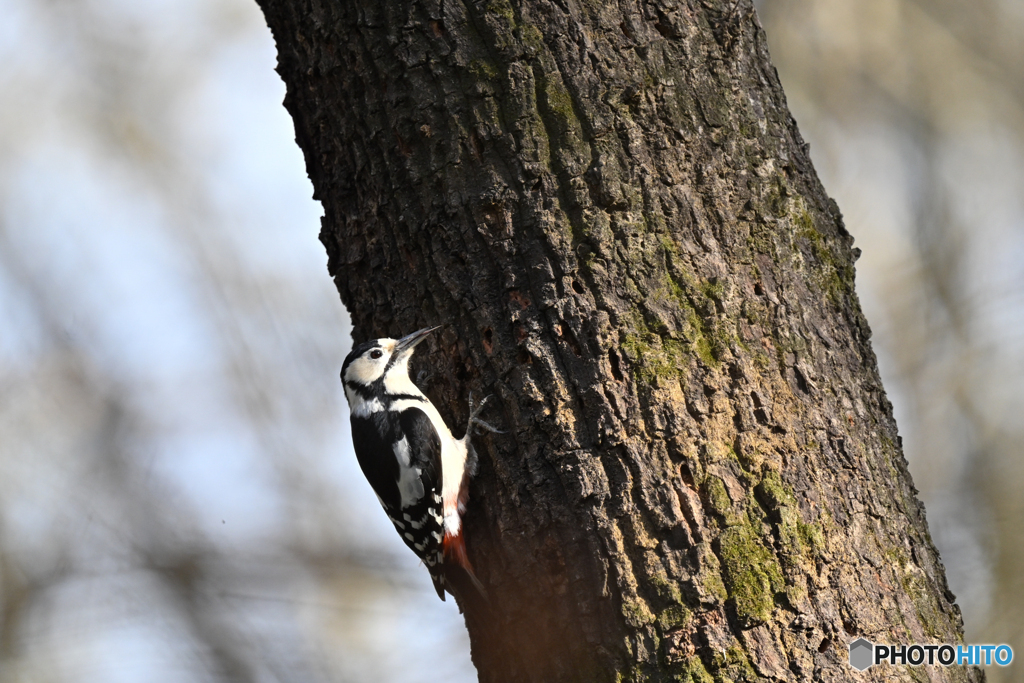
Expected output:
{"points": [[376, 353]]}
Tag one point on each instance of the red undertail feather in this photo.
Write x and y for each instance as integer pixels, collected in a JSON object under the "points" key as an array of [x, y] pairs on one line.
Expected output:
{"points": [[457, 568], [456, 561], [455, 551]]}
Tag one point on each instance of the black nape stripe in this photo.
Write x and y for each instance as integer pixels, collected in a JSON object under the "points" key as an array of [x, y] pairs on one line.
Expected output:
{"points": [[367, 392], [404, 397], [376, 391]]}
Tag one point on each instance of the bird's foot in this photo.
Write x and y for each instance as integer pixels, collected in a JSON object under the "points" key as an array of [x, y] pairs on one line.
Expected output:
{"points": [[474, 421]]}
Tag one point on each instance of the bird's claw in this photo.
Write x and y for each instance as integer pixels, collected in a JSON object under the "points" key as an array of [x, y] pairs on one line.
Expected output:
{"points": [[474, 421]]}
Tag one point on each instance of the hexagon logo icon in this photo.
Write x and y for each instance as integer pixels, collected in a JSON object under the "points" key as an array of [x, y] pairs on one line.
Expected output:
{"points": [[860, 654]]}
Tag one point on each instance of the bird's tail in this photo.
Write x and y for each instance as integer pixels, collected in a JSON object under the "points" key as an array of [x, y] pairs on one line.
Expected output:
{"points": [[457, 568]]}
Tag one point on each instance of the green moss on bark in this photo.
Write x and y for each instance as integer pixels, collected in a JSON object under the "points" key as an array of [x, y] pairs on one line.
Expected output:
{"points": [[751, 572]]}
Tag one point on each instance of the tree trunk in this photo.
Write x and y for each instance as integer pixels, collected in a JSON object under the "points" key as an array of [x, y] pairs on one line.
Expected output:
{"points": [[612, 213]]}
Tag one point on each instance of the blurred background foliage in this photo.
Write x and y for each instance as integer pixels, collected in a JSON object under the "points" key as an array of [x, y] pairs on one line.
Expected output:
{"points": [[914, 110], [178, 500]]}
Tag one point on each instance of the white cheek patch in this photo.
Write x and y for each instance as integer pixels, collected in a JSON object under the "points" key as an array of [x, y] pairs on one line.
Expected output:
{"points": [[410, 486], [365, 370]]}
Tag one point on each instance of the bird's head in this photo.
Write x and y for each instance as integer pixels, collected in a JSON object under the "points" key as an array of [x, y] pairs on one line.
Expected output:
{"points": [[384, 361]]}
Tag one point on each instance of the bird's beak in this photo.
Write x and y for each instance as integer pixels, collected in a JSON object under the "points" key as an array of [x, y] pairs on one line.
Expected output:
{"points": [[409, 341]]}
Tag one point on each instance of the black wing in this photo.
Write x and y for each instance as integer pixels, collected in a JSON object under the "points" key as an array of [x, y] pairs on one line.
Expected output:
{"points": [[373, 439], [377, 438]]}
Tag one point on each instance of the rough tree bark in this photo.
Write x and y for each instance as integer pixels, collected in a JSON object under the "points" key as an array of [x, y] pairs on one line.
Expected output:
{"points": [[611, 211]]}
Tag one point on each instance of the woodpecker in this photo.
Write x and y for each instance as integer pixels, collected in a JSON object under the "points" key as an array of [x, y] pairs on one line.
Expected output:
{"points": [[419, 471]]}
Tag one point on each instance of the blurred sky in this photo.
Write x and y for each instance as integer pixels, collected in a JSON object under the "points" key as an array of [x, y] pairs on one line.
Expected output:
{"points": [[178, 499]]}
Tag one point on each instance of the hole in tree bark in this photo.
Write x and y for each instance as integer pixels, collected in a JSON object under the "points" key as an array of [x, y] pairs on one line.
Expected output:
{"points": [[613, 358], [824, 645], [488, 340], [758, 289], [687, 475], [577, 287], [524, 357]]}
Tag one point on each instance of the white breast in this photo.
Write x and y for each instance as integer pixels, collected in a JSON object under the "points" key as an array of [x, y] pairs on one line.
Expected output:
{"points": [[453, 459]]}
